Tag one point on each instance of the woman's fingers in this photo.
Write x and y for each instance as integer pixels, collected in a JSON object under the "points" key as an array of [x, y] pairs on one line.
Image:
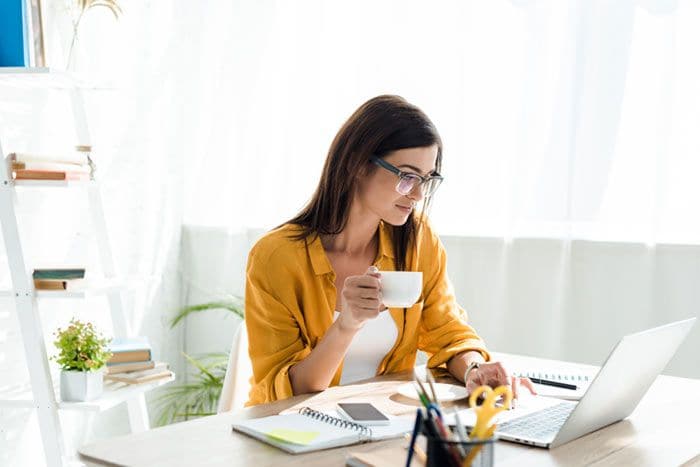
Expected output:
{"points": [[514, 386], [370, 302], [366, 281], [362, 296], [496, 374], [362, 299], [373, 271], [354, 293], [528, 384]]}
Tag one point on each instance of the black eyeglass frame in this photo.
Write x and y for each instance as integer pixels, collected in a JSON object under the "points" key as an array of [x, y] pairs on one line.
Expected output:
{"points": [[436, 177]]}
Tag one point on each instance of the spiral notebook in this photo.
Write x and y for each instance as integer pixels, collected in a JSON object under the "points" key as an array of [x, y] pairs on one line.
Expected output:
{"points": [[581, 380], [311, 430]]}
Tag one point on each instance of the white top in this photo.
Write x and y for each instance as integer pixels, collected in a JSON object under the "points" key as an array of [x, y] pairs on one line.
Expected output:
{"points": [[368, 348]]}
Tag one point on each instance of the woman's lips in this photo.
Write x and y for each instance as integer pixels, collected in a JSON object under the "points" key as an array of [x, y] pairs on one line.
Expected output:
{"points": [[404, 208]]}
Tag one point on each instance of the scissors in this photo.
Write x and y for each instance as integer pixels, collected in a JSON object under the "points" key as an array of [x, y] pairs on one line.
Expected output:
{"points": [[484, 429], [485, 412]]}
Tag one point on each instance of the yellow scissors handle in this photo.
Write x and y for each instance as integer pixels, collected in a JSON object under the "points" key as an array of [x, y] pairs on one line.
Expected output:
{"points": [[491, 396], [488, 410]]}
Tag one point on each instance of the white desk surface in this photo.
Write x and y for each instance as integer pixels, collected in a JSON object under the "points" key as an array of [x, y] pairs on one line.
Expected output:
{"points": [[663, 430]]}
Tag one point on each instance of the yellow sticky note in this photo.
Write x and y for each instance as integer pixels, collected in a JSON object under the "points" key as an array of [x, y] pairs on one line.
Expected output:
{"points": [[293, 436]]}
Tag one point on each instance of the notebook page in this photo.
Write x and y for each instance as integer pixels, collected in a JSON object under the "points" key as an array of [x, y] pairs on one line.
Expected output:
{"points": [[581, 379], [570, 378], [397, 428], [298, 433]]}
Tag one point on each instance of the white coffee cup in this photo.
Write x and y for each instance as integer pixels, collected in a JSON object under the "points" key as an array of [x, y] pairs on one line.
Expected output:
{"points": [[401, 289]]}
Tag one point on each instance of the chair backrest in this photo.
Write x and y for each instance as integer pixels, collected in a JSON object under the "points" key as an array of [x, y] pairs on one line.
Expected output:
{"points": [[238, 373]]}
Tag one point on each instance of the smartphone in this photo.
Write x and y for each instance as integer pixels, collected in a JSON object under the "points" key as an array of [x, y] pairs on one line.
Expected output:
{"points": [[362, 412]]}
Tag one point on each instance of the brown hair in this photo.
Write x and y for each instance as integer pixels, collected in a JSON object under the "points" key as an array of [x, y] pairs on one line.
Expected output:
{"points": [[379, 126]]}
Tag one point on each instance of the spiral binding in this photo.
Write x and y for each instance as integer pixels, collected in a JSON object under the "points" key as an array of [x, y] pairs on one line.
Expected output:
{"points": [[555, 377], [365, 432]]}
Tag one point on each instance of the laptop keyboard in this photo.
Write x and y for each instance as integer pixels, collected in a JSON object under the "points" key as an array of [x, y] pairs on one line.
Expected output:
{"points": [[543, 424]]}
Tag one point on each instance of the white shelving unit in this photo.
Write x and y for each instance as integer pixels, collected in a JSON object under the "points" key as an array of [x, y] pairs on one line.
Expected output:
{"points": [[21, 396], [42, 393]]}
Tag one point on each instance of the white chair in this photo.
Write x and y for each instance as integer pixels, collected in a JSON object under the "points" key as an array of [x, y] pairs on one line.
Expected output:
{"points": [[238, 373]]}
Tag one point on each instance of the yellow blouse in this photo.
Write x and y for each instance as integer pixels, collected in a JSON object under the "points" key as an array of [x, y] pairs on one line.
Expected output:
{"points": [[290, 299]]}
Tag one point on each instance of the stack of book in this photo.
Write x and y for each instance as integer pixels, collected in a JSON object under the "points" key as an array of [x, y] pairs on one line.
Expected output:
{"points": [[132, 362], [58, 279], [51, 167]]}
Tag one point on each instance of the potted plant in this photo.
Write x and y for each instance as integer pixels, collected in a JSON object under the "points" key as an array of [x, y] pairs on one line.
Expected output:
{"points": [[82, 354]]}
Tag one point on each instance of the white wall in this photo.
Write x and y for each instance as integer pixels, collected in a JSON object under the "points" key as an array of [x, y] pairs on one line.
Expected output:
{"points": [[573, 302]]}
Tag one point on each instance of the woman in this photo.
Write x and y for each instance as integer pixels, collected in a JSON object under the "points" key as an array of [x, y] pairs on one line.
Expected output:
{"points": [[314, 311]]}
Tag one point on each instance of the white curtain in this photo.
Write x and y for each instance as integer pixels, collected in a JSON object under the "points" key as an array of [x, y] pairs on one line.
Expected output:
{"points": [[570, 134], [560, 119], [571, 152]]}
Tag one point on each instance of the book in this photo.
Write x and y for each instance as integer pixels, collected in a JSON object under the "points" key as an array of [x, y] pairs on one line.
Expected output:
{"points": [[129, 349], [311, 430], [159, 371], [145, 378], [50, 166], [76, 158], [130, 356], [50, 175], [39, 175], [52, 284], [117, 368], [58, 274], [14, 49]]}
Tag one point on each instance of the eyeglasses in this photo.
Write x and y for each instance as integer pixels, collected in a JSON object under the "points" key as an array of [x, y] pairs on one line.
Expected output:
{"points": [[409, 181]]}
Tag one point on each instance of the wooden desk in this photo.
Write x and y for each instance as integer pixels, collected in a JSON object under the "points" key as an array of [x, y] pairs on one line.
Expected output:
{"points": [[663, 430]]}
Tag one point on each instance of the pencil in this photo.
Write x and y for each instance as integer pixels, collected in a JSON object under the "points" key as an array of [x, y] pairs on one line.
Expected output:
{"points": [[557, 384], [422, 388], [417, 450], [431, 382], [422, 397]]}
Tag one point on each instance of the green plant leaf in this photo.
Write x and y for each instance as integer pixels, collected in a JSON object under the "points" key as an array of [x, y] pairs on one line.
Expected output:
{"points": [[232, 303], [197, 398], [81, 347], [201, 396], [203, 369]]}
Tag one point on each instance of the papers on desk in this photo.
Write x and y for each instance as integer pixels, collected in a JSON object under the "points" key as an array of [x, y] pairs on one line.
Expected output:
{"points": [[560, 393], [310, 430], [582, 380]]}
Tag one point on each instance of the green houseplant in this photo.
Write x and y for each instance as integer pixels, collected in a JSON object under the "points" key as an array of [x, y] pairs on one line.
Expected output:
{"points": [[82, 353], [198, 397]]}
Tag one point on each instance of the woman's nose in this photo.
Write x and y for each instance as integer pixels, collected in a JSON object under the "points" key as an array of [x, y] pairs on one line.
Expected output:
{"points": [[417, 193]]}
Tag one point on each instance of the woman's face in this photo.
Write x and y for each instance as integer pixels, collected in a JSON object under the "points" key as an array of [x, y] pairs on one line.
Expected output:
{"points": [[377, 192]]}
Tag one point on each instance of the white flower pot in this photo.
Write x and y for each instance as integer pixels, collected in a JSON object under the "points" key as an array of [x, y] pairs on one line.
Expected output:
{"points": [[78, 386]]}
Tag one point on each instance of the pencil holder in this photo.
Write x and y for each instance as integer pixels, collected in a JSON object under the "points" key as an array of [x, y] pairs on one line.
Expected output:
{"points": [[442, 452]]}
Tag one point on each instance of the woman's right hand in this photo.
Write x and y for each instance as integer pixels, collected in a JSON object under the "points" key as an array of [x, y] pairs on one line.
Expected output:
{"points": [[361, 299]]}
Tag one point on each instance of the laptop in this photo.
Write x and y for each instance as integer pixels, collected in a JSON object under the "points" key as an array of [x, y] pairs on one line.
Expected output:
{"points": [[627, 374]]}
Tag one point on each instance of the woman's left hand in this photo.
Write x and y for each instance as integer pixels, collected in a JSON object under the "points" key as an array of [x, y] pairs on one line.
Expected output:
{"points": [[495, 374]]}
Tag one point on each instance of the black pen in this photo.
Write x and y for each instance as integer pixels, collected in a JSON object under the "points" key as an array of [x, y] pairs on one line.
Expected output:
{"points": [[547, 382]]}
